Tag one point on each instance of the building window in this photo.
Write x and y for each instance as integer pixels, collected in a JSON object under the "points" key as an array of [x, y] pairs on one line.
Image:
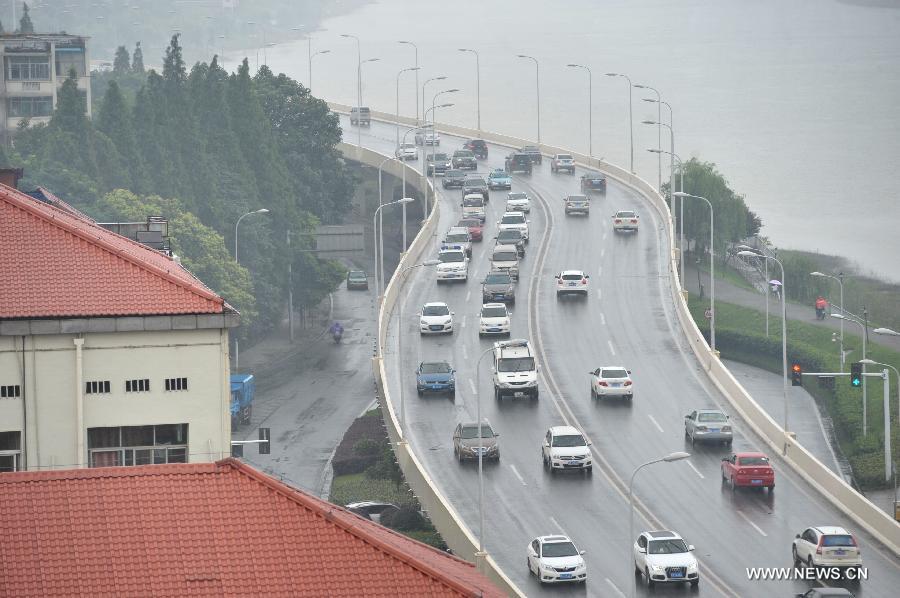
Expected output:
{"points": [[95, 387], [27, 68], [142, 385], [176, 383], [10, 392], [138, 445], [10, 451], [29, 107], [68, 59]]}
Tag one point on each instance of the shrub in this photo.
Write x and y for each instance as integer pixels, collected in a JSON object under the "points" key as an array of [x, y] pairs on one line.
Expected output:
{"points": [[365, 433], [408, 518]]}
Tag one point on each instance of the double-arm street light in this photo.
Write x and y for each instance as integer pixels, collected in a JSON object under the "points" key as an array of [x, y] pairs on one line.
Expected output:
{"points": [[865, 333], [477, 85], [238, 223], [712, 265], [840, 279], [403, 200], [889, 332], [537, 74], [590, 107], [416, 48], [424, 86], [667, 459], [658, 133], [675, 156], [406, 70], [784, 367], [630, 117]]}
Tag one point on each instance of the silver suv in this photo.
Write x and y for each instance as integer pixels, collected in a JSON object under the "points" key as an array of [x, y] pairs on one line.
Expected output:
{"points": [[466, 442], [498, 286], [506, 257]]}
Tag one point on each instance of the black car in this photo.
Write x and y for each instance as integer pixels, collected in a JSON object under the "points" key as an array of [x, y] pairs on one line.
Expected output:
{"points": [[593, 181], [464, 159], [533, 152], [518, 162], [357, 279], [475, 184], [437, 164], [453, 179], [478, 147], [512, 237]]}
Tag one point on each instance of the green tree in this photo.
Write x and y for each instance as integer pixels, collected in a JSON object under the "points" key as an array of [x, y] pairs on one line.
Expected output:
{"points": [[137, 59], [115, 121], [71, 110], [122, 61], [25, 24]]}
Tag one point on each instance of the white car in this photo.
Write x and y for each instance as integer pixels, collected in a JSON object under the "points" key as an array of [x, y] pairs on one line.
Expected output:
{"points": [[611, 381], [407, 151], [494, 319], [473, 206], [663, 557], [555, 559], [428, 138], [506, 257], [566, 448], [454, 265], [826, 546], [517, 201], [572, 282], [514, 221], [625, 220], [436, 318]]}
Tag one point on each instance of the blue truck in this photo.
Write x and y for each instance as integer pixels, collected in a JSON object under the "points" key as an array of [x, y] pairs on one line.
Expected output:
{"points": [[242, 390]]}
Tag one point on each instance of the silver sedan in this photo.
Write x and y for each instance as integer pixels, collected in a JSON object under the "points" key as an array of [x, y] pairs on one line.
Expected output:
{"points": [[708, 425]]}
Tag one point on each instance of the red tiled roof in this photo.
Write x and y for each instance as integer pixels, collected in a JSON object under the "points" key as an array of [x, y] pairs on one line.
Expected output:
{"points": [[56, 263], [209, 529]]}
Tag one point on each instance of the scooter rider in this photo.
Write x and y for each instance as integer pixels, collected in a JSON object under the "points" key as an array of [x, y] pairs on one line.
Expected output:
{"points": [[336, 331], [821, 306]]}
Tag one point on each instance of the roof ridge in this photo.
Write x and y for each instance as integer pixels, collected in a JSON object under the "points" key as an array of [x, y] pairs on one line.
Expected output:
{"points": [[36, 208], [318, 505]]}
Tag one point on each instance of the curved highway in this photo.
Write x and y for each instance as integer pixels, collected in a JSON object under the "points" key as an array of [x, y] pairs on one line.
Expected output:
{"points": [[627, 320]]}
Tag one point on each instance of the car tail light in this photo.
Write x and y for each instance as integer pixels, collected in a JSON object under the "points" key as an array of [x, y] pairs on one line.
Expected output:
{"points": [[726, 428], [628, 383], [559, 282], [602, 383], [618, 221], [819, 545], [584, 281], [634, 221]]}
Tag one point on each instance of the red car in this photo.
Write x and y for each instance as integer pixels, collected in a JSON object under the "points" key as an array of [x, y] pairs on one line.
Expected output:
{"points": [[476, 228], [748, 469]]}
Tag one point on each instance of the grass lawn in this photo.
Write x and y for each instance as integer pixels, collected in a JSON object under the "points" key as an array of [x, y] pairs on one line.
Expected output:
{"points": [[355, 487]]}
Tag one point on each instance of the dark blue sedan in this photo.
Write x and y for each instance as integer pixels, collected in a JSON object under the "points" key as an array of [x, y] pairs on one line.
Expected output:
{"points": [[435, 376]]}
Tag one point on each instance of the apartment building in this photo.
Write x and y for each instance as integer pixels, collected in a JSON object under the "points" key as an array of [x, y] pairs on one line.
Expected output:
{"points": [[34, 66]]}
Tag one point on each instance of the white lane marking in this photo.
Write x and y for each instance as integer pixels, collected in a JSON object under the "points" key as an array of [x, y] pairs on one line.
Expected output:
{"points": [[615, 589], [518, 475], [558, 526], [697, 471], [463, 322], [599, 271], [605, 232], [602, 319], [465, 353], [472, 386], [602, 252], [611, 348], [748, 520], [599, 294], [655, 423], [468, 296]]}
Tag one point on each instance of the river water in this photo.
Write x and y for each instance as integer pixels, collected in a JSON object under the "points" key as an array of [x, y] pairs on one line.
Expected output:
{"points": [[796, 101]]}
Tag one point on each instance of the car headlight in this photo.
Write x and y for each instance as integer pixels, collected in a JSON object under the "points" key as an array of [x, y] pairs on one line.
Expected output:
{"points": [[448, 321], [547, 567], [657, 568], [423, 322], [692, 566], [506, 323]]}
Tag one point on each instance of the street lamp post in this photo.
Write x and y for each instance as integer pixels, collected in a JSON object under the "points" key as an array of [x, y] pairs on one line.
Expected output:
{"points": [[433, 111], [590, 107], [405, 133], [416, 48], [865, 334], [477, 85], [358, 81], [397, 119], [537, 74], [376, 251], [675, 156], [238, 223], [887, 413], [889, 332], [658, 133], [311, 56], [784, 367], [426, 263], [403, 200], [671, 182], [840, 279], [424, 86], [748, 248], [712, 265], [630, 116], [678, 456]]}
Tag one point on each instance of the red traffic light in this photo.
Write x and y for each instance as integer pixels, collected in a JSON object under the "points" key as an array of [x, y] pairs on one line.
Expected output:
{"points": [[796, 367], [796, 375]]}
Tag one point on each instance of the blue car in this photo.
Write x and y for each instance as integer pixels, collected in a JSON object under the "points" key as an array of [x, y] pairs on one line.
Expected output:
{"points": [[435, 376], [499, 179]]}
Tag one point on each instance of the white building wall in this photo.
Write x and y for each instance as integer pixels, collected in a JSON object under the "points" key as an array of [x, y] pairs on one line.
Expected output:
{"points": [[53, 438]]}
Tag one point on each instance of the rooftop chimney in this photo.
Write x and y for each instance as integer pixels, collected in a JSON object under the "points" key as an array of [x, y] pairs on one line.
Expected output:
{"points": [[10, 177]]}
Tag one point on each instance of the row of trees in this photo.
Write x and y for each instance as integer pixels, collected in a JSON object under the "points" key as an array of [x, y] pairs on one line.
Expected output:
{"points": [[223, 144], [25, 23]]}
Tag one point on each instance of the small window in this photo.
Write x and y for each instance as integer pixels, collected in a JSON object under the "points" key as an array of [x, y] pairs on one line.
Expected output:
{"points": [[10, 392], [95, 387], [176, 384], [141, 385]]}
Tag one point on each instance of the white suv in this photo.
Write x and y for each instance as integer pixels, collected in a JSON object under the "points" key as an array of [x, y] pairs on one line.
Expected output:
{"points": [[506, 257], [663, 557], [572, 282], [514, 221], [494, 319], [436, 318], [454, 265], [566, 448], [555, 559], [514, 370], [517, 201], [826, 546], [611, 381], [407, 151]]}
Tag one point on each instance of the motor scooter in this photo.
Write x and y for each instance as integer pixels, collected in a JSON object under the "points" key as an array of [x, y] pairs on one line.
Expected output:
{"points": [[820, 313]]}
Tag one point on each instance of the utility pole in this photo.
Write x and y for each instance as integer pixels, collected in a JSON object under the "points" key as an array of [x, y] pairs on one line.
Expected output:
{"points": [[290, 287]]}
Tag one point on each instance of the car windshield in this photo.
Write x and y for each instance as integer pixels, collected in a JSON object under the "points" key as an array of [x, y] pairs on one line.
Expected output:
{"points": [[457, 238], [473, 202], [577, 198], [451, 256], [558, 549], [499, 173], [436, 367], [435, 157], [516, 364], [469, 223], [614, 373], [474, 182], [493, 312], [436, 310], [563, 157], [357, 275], [670, 546], [760, 461], [838, 540], [572, 277], [512, 236], [513, 219], [498, 278], [408, 145], [462, 154], [711, 417], [469, 432], [504, 256], [569, 440], [517, 195], [625, 215], [454, 174]]}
